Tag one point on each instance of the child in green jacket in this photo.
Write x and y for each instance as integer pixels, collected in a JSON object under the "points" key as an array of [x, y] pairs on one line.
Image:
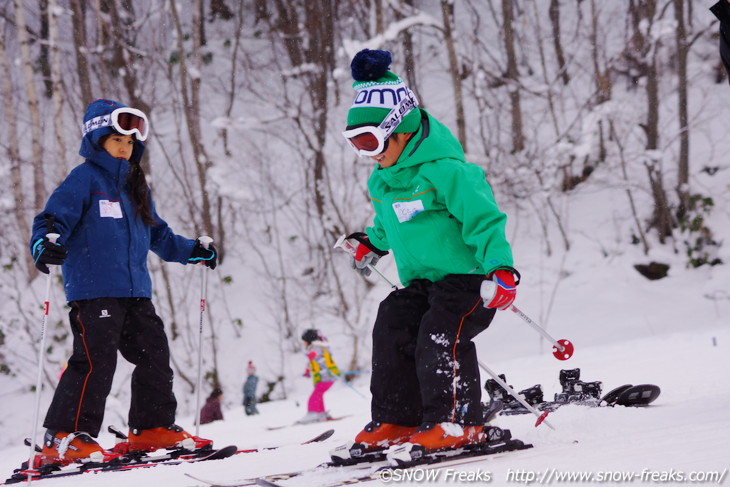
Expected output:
{"points": [[436, 213]]}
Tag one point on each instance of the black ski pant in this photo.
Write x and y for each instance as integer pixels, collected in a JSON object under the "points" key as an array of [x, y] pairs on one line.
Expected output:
{"points": [[100, 328], [425, 365]]}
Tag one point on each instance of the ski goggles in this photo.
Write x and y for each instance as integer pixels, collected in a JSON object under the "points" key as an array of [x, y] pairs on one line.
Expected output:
{"points": [[370, 139], [124, 120]]}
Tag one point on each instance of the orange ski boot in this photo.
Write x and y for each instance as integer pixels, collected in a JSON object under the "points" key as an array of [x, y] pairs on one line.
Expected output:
{"points": [[442, 436], [377, 435], [164, 437], [64, 448]]}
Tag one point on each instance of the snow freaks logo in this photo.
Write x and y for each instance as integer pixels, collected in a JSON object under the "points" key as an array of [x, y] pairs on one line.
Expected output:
{"points": [[422, 475]]}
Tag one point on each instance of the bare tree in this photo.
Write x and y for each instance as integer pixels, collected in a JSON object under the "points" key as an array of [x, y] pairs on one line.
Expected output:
{"points": [[642, 16], [57, 91], [447, 12], [683, 46], [13, 154], [81, 50], [190, 81], [512, 76], [554, 13], [39, 190]]}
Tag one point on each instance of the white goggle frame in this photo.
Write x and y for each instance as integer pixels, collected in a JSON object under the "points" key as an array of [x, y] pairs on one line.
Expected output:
{"points": [[112, 120]]}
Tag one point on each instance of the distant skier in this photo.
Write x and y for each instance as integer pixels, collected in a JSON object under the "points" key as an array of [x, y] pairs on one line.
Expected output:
{"points": [[437, 214], [108, 224], [249, 390], [211, 410], [323, 370]]}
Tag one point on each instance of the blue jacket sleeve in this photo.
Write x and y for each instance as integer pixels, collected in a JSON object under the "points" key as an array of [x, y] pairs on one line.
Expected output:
{"points": [[66, 205], [166, 244]]}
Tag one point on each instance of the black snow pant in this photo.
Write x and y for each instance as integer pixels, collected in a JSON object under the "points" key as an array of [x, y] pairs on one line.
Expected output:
{"points": [[425, 365], [101, 327]]}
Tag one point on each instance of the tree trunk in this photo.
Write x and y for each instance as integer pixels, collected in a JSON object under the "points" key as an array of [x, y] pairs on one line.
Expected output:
{"points": [[447, 11], [10, 138], [554, 12], [602, 77], [683, 162], [512, 76], [39, 188], [57, 93], [81, 50], [44, 58], [662, 219], [191, 102], [409, 58]]}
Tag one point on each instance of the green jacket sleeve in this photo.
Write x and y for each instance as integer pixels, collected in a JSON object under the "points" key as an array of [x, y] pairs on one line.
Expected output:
{"points": [[469, 198]]}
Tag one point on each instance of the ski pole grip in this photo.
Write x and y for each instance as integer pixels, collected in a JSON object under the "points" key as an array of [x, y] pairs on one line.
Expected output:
{"points": [[345, 244], [488, 290], [205, 241], [52, 237]]}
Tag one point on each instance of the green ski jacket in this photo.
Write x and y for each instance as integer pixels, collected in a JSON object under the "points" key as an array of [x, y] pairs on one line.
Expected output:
{"points": [[435, 211]]}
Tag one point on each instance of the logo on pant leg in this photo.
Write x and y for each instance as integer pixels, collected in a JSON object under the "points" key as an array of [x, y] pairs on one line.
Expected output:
{"points": [[104, 314]]}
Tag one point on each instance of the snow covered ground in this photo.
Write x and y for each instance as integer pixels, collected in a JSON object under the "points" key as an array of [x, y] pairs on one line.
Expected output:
{"points": [[684, 432]]}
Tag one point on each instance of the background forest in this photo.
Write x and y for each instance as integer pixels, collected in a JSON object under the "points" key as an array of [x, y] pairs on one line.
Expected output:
{"points": [[562, 102]]}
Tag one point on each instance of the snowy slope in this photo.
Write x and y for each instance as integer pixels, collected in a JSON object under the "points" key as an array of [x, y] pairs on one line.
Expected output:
{"points": [[684, 431]]}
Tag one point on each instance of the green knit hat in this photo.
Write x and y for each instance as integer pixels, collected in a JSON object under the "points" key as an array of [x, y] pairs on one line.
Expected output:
{"points": [[379, 90]]}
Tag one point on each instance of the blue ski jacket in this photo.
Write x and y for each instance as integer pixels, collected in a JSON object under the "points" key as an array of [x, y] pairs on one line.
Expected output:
{"points": [[107, 243]]}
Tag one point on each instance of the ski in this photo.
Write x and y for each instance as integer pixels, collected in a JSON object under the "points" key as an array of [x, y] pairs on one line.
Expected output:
{"points": [[397, 458], [575, 391], [140, 460], [173, 457], [274, 428]]}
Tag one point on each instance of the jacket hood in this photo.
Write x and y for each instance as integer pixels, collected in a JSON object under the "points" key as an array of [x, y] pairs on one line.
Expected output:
{"points": [[433, 141], [90, 148]]}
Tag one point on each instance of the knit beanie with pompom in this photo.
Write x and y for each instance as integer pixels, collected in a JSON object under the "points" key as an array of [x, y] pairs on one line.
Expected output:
{"points": [[379, 90]]}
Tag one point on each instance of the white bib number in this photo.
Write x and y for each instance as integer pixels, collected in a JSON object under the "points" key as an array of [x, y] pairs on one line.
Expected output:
{"points": [[110, 209], [406, 210]]}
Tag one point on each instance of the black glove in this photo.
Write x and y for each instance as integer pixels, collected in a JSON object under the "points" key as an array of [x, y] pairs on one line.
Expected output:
{"points": [[209, 256], [366, 254], [47, 252]]}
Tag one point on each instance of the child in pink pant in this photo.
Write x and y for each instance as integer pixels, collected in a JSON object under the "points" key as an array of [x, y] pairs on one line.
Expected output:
{"points": [[323, 370]]}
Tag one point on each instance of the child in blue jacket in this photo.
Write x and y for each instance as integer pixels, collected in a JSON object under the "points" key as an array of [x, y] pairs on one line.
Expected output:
{"points": [[107, 223]]}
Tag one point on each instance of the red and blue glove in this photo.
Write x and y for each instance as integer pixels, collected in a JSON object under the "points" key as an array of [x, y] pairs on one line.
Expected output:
{"points": [[500, 289], [366, 254]]}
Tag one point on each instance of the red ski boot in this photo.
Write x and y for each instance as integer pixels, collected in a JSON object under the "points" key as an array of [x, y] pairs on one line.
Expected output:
{"points": [[164, 437], [64, 448]]}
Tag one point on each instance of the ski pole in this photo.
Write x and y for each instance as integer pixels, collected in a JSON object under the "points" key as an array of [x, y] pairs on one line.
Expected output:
{"points": [[344, 243], [204, 241], [342, 379], [562, 349], [52, 237], [541, 417]]}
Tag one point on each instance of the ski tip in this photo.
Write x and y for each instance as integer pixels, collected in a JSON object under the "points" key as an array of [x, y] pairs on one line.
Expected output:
{"points": [[266, 483], [321, 437]]}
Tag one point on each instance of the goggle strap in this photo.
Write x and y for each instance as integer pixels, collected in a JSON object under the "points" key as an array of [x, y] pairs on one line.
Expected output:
{"points": [[397, 114]]}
